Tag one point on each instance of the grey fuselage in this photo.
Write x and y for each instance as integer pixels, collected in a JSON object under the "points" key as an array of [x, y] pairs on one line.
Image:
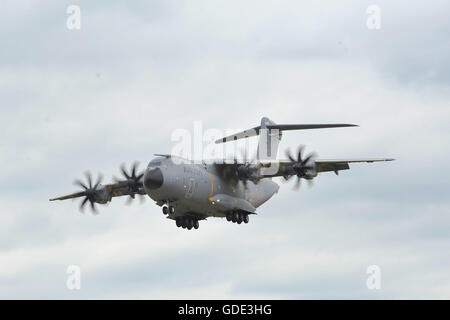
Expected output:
{"points": [[198, 189]]}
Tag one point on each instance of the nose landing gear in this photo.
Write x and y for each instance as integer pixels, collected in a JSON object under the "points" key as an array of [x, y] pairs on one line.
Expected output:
{"points": [[168, 209], [237, 217]]}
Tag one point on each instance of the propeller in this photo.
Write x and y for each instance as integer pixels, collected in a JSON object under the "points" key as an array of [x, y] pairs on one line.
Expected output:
{"points": [[90, 191], [247, 171], [302, 167], [132, 181], [241, 171]]}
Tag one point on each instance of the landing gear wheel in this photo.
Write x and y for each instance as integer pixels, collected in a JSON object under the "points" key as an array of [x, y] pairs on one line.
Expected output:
{"points": [[171, 210], [246, 219], [228, 217], [165, 210], [196, 224], [178, 222], [190, 224], [235, 216]]}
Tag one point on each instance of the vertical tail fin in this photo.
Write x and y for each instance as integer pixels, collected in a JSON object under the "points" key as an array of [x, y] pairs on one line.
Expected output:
{"points": [[269, 139]]}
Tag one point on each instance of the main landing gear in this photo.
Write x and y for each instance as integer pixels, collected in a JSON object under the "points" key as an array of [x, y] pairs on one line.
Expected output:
{"points": [[237, 217], [187, 223]]}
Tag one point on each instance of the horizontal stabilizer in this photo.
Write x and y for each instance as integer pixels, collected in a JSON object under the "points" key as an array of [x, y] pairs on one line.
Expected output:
{"points": [[256, 130], [307, 126], [241, 135]]}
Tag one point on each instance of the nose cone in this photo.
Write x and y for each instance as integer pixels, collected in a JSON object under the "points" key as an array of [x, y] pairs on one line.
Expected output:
{"points": [[153, 179]]}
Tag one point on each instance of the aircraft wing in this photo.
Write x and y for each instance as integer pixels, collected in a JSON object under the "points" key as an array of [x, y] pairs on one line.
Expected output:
{"points": [[104, 193], [95, 192], [324, 165], [237, 170], [285, 167], [114, 189]]}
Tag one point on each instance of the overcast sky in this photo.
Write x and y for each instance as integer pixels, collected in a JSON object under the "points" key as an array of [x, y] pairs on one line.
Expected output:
{"points": [[115, 91]]}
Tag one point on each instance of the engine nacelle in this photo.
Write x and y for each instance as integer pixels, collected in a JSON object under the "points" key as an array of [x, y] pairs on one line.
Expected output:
{"points": [[102, 194]]}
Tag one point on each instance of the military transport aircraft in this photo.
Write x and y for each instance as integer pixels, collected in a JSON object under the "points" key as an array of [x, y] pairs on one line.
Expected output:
{"points": [[190, 191]]}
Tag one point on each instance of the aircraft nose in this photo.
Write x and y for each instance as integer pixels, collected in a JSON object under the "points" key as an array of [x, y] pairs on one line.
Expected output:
{"points": [[153, 179]]}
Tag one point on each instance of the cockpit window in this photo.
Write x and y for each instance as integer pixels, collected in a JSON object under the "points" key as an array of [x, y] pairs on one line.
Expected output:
{"points": [[155, 163]]}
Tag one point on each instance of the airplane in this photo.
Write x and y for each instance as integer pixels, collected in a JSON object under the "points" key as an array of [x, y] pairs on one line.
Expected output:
{"points": [[190, 191]]}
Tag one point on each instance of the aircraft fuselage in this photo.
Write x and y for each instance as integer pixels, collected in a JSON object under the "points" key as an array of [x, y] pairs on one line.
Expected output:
{"points": [[199, 190]]}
